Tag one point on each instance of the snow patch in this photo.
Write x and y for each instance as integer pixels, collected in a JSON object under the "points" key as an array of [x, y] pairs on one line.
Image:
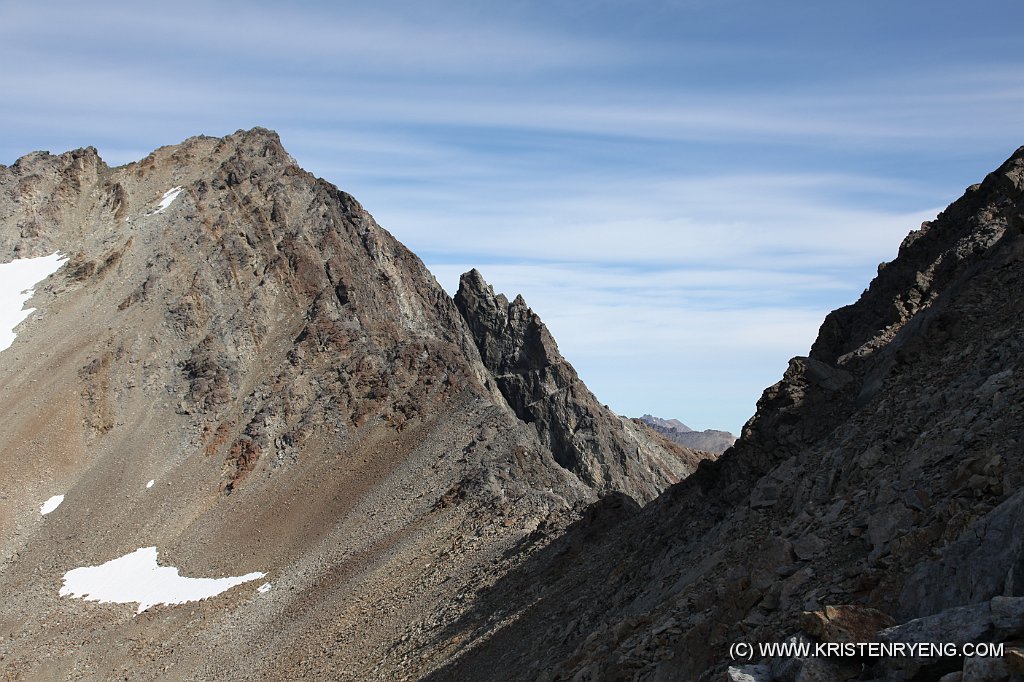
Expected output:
{"points": [[136, 577], [51, 504], [17, 280], [150, 484], [167, 199], [264, 588]]}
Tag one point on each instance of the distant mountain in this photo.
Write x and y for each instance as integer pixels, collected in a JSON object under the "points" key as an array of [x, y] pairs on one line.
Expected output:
{"points": [[708, 440]]}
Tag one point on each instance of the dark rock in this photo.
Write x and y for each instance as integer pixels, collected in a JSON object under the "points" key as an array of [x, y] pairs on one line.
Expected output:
{"points": [[845, 623], [987, 560]]}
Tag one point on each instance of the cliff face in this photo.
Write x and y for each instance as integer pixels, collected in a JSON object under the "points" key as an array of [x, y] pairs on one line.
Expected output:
{"points": [[605, 451], [878, 485]]}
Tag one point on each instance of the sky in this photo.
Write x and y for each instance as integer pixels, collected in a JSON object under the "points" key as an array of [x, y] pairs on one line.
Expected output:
{"points": [[682, 189]]}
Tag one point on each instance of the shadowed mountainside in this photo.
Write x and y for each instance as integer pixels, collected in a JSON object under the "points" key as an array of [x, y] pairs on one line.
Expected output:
{"points": [[875, 495]]}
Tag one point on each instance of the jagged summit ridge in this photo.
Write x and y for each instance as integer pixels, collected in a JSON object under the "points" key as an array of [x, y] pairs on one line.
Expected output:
{"points": [[603, 450], [673, 424]]}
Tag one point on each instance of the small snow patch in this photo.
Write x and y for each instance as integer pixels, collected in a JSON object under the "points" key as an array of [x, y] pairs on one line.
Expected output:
{"points": [[17, 280], [51, 504], [264, 588], [136, 577], [167, 199], [150, 484]]}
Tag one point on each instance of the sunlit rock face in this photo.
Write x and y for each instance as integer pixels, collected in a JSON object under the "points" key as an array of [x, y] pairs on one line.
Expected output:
{"points": [[234, 363]]}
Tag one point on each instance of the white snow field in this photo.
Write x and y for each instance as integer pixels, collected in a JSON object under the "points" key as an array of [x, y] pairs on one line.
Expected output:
{"points": [[136, 577], [51, 504], [167, 199], [17, 279]]}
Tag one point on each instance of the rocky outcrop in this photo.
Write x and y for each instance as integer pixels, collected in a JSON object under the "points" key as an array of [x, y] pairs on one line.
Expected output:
{"points": [[604, 450], [708, 440]]}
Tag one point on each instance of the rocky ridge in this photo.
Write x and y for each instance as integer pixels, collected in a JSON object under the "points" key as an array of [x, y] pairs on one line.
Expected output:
{"points": [[874, 495], [604, 450], [402, 465]]}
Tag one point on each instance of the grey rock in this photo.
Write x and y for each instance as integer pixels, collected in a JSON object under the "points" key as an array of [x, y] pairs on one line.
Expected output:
{"points": [[808, 546], [985, 669], [985, 561], [1008, 616], [749, 673], [764, 495], [958, 625], [804, 668], [604, 450]]}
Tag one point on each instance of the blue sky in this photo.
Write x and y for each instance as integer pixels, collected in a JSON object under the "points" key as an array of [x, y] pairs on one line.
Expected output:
{"points": [[682, 189]]}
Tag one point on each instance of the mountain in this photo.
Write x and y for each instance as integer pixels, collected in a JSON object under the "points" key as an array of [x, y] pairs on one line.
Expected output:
{"points": [[876, 495], [666, 424], [708, 440], [605, 451], [242, 389], [239, 386]]}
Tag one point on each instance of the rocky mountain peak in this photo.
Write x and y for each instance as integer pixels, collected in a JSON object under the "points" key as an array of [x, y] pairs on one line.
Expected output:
{"points": [[604, 450], [240, 370], [510, 336], [673, 424]]}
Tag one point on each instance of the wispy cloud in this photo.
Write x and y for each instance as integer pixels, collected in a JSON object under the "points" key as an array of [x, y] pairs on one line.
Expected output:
{"points": [[744, 221], [329, 38], [682, 189], [334, 67]]}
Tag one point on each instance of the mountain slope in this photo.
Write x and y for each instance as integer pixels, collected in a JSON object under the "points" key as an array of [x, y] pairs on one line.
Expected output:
{"points": [[880, 477], [306, 400]]}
